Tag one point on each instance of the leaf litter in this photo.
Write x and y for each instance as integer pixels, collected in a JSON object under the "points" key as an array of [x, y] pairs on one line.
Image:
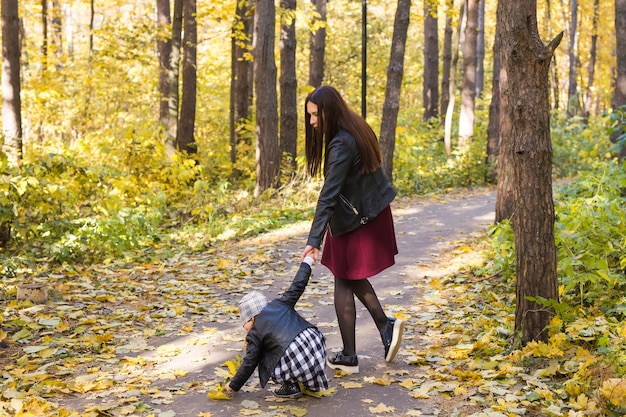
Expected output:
{"points": [[124, 333]]}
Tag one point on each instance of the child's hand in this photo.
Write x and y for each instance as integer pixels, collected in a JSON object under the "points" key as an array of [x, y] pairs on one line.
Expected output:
{"points": [[228, 390]]}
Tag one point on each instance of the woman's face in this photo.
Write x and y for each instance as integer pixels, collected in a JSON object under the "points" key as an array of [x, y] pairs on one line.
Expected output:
{"points": [[311, 108]]}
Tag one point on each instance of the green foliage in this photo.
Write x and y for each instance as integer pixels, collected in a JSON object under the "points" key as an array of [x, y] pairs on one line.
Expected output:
{"points": [[617, 128], [577, 144], [590, 236]]}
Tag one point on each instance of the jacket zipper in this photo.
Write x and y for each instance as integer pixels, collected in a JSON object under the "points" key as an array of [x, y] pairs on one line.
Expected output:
{"points": [[345, 200]]}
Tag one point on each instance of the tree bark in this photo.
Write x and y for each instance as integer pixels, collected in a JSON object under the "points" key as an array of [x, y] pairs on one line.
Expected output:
{"points": [[493, 127], [241, 80], [525, 143], [431, 61], [588, 99], [11, 83], [318, 44], [480, 49], [185, 138], [267, 154], [447, 62], [619, 97], [447, 135], [288, 84], [173, 77], [573, 104], [44, 30], [164, 48], [395, 72], [468, 94]]}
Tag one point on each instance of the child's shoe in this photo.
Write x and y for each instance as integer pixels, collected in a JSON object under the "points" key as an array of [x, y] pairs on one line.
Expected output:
{"points": [[288, 390], [346, 363], [392, 336]]}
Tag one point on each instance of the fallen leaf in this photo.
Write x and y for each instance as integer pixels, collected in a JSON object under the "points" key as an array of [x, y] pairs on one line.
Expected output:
{"points": [[381, 408]]}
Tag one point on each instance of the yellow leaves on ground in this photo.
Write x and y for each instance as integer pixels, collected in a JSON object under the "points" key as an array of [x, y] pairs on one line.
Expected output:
{"points": [[614, 390], [383, 381], [351, 384], [92, 382], [381, 408], [218, 393], [321, 393]]}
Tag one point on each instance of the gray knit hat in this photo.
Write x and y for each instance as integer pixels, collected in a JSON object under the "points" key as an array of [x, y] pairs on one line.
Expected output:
{"points": [[251, 304]]}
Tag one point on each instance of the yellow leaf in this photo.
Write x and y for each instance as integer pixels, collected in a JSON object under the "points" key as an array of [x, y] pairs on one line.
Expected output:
{"points": [[614, 390], [297, 411], [219, 394], [319, 394], [203, 414], [233, 365], [350, 384], [105, 298], [381, 408], [384, 381], [3, 334], [188, 328]]}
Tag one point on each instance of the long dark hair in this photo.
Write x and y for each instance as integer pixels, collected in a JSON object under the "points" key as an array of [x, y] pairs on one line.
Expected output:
{"points": [[333, 114]]}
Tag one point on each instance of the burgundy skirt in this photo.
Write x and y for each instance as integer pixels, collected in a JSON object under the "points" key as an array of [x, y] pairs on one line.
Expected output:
{"points": [[363, 252]]}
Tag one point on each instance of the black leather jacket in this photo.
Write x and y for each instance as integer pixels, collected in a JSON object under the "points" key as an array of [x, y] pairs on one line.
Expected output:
{"points": [[348, 198], [275, 327]]}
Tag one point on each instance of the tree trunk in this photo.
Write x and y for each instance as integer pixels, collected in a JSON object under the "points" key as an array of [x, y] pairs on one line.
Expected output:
{"points": [[468, 94], [267, 155], [395, 72], [480, 50], [92, 14], [525, 143], [288, 84], [588, 99], [573, 105], [554, 80], [44, 32], [185, 138], [164, 48], [447, 135], [11, 83], [619, 97], [493, 128], [318, 45], [173, 77], [447, 62], [241, 80], [431, 61]]}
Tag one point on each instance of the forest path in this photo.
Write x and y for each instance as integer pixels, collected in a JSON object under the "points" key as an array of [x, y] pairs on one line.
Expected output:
{"points": [[185, 365]]}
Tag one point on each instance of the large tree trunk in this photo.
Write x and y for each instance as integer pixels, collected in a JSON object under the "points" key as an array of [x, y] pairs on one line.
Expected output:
{"points": [[395, 72], [318, 45], [11, 83], [164, 48], [173, 77], [288, 84], [619, 97], [573, 104], [185, 139], [241, 80], [468, 94], [493, 127], [431, 61], [525, 143], [267, 155]]}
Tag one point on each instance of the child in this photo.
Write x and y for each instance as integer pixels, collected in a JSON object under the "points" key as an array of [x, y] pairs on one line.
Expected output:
{"points": [[281, 343]]}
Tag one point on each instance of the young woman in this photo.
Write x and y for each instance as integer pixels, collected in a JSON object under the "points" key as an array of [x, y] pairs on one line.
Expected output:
{"points": [[352, 217]]}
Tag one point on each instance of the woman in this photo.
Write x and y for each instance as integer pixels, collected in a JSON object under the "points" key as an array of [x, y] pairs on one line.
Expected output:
{"points": [[352, 217]]}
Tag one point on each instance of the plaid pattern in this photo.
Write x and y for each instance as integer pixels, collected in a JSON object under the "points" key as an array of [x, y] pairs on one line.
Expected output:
{"points": [[251, 304], [304, 361]]}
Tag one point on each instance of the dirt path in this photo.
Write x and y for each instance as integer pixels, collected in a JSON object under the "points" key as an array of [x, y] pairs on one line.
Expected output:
{"points": [[425, 230]]}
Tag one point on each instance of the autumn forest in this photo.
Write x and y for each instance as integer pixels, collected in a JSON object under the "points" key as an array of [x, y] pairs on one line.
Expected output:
{"points": [[136, 132]]}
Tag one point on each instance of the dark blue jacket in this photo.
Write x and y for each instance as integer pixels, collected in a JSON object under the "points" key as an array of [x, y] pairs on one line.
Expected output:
{"points": [[275, 327], [348, 198]]}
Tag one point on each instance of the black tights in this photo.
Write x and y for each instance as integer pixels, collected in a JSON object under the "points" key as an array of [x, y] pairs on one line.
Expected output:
{"points": [[345, 307]]}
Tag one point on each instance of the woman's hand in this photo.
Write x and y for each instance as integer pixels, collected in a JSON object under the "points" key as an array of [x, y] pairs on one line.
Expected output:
{"points": [[310, 251], [228, 390]]}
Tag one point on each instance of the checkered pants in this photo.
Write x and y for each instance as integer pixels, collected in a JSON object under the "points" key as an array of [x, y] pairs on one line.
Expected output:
{"points": [[304, 361]]}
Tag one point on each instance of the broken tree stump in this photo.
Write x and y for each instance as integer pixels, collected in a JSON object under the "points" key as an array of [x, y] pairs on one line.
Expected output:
{"points": [[37, 293]]}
